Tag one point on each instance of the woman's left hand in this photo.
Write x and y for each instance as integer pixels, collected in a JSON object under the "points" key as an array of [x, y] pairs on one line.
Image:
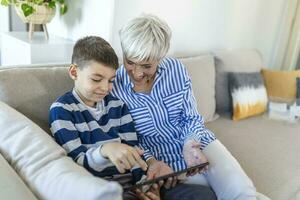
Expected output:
{"points": [[193, 155], [152, 194], [159, 168]]}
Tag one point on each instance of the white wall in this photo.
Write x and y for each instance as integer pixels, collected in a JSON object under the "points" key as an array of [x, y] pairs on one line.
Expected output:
{"points": [[84, 17], [197, 25]]}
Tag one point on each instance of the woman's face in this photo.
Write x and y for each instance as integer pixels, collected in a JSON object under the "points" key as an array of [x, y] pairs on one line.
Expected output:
{"points": [[140, 72]]}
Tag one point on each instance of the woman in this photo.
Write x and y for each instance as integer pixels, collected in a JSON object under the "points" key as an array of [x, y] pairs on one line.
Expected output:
{"points": [[158, 92]]}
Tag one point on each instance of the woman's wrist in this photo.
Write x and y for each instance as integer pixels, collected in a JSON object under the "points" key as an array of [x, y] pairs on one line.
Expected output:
{"points": [[150, 161]]}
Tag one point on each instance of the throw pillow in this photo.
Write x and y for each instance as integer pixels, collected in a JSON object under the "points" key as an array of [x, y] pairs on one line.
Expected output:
{"points": [[201, 69], [281, 85], [247, 60], [43, 164], [249, 96]]}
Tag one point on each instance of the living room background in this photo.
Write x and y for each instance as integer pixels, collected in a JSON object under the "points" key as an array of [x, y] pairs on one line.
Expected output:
{"points": [[198, 25]]}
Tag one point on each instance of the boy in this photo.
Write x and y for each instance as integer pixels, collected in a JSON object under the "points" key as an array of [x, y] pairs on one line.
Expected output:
{"points": [[95, 128]]}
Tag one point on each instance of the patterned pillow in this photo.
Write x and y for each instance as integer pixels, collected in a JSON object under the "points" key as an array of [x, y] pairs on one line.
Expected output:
{"points": [[249, 95]]}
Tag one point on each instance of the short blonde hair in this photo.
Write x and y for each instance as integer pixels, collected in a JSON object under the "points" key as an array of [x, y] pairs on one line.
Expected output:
{"points": [[145, 38]]}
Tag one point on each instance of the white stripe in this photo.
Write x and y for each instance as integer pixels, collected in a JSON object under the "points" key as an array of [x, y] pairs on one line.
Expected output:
{"points": [[82, 127], [60, 124], [70, 107], [114, 104], [128, 136], [72, 145]]}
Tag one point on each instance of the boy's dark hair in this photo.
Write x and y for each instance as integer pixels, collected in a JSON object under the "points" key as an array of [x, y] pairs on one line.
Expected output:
{"points": [[94, 48]]}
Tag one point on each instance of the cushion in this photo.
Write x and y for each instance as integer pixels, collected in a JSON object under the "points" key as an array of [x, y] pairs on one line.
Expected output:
{"points": [[249, 96], [31, 90], [266, 150], [298, 91], [43, 164], [277, 91], [202, 72], [11, 185], [232, 61]]}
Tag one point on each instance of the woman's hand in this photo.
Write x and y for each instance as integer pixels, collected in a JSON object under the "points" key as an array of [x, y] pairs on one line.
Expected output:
{"points": [[123, 156], [193, 155], [159, 168]]}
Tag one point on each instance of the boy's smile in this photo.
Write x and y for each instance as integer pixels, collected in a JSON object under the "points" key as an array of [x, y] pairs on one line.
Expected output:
{"points": [[93, 81]]}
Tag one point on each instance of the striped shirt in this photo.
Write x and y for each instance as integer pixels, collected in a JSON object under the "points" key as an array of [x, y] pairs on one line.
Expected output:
{"points": [[81, 130], [167, 116]]}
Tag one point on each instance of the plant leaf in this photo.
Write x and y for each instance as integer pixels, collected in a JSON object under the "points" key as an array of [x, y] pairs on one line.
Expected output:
{"points": [[63, 9], [51, 4], [27, 9], [5, 2]]}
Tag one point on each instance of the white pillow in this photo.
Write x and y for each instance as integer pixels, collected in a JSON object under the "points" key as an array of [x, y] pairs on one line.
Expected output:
{"points": [[201, 69], [43, 164]]}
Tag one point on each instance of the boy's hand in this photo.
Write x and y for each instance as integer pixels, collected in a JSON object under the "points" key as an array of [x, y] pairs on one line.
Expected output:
{"points": [[123, 156], [159, 168], [193, 155]]}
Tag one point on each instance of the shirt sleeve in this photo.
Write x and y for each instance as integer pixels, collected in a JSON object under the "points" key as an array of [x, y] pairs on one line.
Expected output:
{"points": [[63, 128], [192, 122]]}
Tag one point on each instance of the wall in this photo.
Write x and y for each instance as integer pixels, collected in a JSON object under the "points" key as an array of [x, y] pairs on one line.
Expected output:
{"points": [[197, 25], [92, 17]]}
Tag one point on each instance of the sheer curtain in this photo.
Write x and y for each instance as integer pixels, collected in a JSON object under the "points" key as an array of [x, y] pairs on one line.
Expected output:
{"points": [[288, 49]]}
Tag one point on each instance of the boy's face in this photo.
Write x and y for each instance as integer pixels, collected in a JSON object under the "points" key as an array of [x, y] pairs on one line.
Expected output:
{"points": [[93, 82]]}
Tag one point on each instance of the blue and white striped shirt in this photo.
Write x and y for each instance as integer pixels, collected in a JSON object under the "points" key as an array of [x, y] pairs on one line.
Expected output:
{"points": [[167, 116], [81, 130]]}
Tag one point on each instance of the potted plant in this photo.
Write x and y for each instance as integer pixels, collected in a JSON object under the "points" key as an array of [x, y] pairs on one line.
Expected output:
{"points": [[36, 11]]}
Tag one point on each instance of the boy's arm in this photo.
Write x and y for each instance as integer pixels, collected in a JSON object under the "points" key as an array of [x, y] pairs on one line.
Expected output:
{"points": [[65, 132]]}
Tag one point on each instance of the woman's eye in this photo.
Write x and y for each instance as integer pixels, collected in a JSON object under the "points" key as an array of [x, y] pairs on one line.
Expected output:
{"points": [[147, 66], [130, 63], [111, 81]]}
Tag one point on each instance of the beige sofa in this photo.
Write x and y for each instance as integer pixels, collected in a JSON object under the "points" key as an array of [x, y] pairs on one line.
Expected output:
{"points": [[33, 166]]}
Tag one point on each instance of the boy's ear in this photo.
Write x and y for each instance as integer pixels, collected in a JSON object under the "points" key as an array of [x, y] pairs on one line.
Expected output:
{"points": [[73, 71]]}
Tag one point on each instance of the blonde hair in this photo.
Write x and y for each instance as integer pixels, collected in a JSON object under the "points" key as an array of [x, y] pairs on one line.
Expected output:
{"points": [[145, 38]]}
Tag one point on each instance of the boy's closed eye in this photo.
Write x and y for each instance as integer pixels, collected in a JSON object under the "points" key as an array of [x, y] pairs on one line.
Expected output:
{"points": [[96, 80]]}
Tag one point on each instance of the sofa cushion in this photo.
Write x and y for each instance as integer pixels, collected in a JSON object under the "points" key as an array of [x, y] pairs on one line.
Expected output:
{"points": [[249, 95], [201, 69], [11, 185], [232, 61], [277, 91], [31, 90], [43, 164], [268, 151]]}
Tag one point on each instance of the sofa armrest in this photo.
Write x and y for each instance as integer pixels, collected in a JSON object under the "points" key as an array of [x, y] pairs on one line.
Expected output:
{"points": [[11, 185], [43, 164]]}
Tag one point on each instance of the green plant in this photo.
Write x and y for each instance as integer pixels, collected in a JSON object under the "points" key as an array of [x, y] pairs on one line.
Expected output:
{"points": [[27, 6]]}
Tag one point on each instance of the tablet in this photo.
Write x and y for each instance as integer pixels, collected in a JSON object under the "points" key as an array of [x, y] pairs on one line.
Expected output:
{"points": [[164, 177]]}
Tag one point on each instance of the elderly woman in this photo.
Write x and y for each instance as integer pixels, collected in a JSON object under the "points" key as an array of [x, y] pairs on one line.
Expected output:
{"points": [[158, 93]]}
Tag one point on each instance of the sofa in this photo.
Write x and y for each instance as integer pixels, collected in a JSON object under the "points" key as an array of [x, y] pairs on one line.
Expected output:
{"points": [[33, 166]]}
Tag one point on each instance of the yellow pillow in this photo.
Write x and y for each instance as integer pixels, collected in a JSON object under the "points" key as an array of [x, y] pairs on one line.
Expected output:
{"points": [[281, 85]]}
